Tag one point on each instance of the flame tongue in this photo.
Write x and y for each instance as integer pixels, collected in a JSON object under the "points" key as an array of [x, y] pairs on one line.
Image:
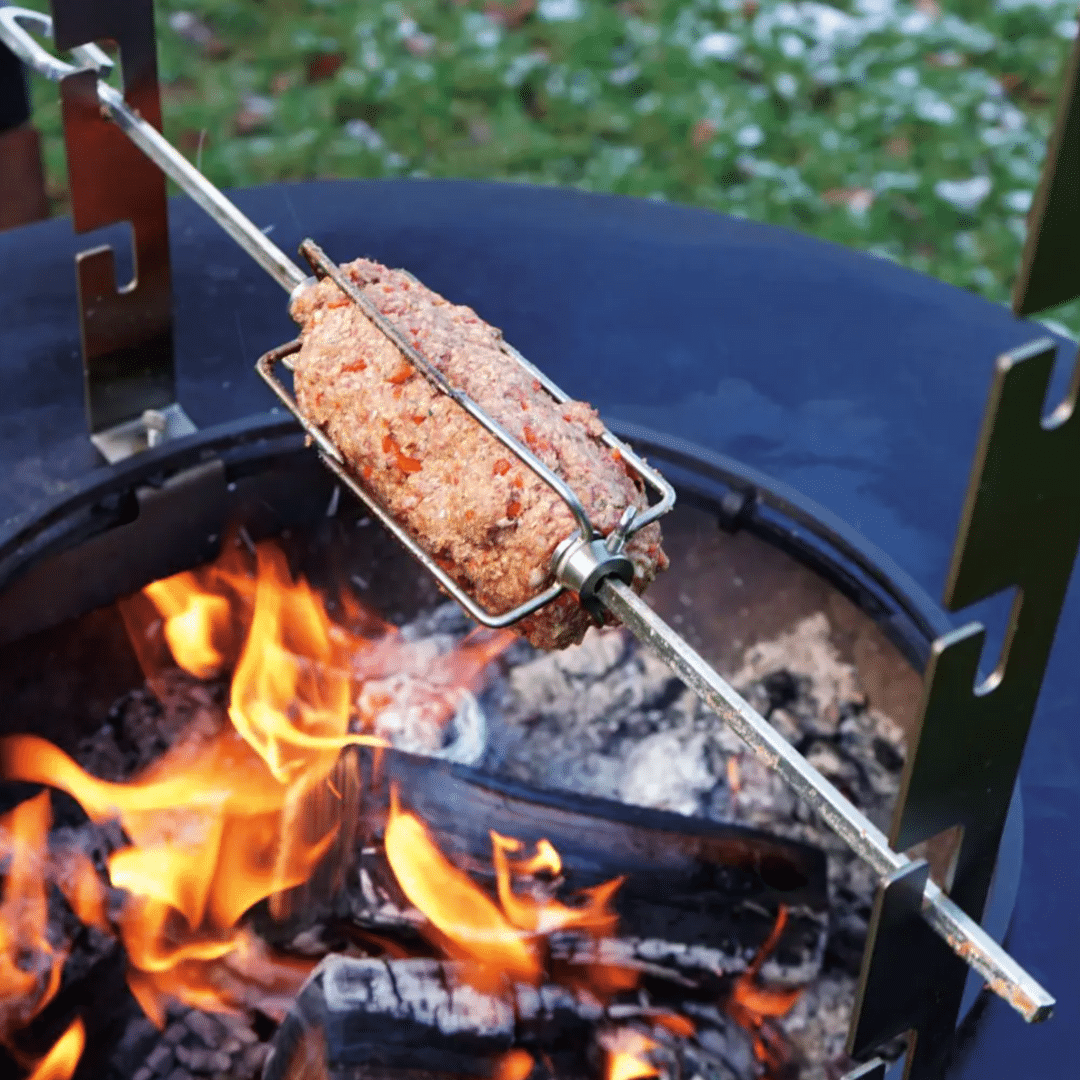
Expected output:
{"points": [[453, 903], [628, 1054], [29, 967], [59, 1063]]}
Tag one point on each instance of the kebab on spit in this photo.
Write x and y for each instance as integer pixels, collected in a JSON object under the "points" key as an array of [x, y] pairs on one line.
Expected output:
{"points": [[527, 510], [492, 523]]}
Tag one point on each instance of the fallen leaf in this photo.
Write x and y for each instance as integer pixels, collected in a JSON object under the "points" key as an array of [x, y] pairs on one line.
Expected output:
{"points": [[419, 44], [857, 200], [898, 146], [1018, 88], [195, 29], [255, 114], [280, 83], [323, 66], [509, 15], [701, 133]]}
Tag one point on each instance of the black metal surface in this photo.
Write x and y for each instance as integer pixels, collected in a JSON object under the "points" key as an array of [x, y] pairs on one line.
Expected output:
{"points": [[14, 91], [127, 338], [160, 512], [1050, 269], [857, 383]]}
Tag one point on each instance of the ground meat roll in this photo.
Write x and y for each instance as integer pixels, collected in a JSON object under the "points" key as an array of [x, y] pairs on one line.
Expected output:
{"points": [[487, 518]]}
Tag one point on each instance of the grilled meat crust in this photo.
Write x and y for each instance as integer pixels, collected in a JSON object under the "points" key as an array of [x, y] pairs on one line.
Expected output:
{"points": [[487, 518]]}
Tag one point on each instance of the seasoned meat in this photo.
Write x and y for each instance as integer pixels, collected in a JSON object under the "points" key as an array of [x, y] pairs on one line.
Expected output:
{"points": [[488, 519]]}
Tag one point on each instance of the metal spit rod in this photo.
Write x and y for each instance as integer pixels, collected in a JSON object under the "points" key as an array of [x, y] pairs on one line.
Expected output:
{"points": [[962, 933], [580, 563]]}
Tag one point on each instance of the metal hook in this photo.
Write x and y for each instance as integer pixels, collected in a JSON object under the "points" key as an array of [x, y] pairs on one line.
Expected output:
{"points": [[13, 29]]}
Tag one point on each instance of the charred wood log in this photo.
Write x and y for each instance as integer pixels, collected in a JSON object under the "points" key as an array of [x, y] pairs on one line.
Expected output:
{"points": [[400, 1018], [698, 901]]}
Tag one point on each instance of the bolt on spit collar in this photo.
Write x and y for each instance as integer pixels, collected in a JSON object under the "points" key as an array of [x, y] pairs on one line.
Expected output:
{"points": [[582, 564]]}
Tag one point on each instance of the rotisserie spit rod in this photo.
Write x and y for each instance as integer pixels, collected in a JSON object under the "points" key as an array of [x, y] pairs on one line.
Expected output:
{"points": [[590, 565], [966, 937]]}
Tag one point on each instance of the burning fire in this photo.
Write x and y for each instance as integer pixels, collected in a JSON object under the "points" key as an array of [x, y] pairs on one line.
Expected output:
{"points": [[242, 808], [235, 813], [29, 966], [756, 1007], [627, 1051], [59, 1063]]}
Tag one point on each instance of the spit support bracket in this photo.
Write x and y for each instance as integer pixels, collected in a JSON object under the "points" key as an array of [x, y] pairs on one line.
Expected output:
{"points": [[1020, 530], [126, 330]]}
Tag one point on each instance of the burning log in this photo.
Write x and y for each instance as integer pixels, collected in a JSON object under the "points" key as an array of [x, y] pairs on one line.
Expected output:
{"points": [[698, 900], [403, 1017]]}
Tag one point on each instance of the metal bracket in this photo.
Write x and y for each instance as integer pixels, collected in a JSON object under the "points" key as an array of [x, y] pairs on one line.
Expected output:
{"points": [[126, 332], [1020, 528], [1049, 268], [910, 981]]}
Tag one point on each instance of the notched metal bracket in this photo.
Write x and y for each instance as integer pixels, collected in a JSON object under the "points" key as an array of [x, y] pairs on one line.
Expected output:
{"points": [[1020, 528], [127, 332], [1050, 267], [910, 982]]}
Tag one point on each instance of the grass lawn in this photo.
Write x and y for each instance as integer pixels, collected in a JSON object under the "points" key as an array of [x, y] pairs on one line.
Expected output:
{"points": [[912, 130]]}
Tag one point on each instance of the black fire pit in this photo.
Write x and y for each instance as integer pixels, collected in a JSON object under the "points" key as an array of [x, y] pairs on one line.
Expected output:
{"points": [[858, 384]]}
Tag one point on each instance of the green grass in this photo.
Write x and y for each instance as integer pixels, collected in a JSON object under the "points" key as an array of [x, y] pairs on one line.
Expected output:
{"points": [[874, 123]]}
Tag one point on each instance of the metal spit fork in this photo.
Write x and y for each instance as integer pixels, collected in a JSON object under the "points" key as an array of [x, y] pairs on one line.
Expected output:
{"points": [[594, 567]]}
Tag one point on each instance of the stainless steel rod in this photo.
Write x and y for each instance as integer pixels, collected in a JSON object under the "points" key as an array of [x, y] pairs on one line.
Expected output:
{"points": [[237, 224], [963, 935]]}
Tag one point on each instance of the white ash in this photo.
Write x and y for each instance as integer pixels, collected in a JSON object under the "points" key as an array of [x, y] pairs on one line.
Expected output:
{"points": [[196, 1044], [607, 718]]}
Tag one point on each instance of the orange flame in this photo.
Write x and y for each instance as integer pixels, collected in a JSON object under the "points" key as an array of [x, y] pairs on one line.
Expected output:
{"points": [[626, 1050], [453, 903], [77, 879], [753, 1006], [59, 1063], [549, 916], [205, 823], [504, 940], [513, 1065], [29, 967], [225, 818], [192, 620]]}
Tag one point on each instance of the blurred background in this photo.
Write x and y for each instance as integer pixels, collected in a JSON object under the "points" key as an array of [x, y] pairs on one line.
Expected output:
{"points": [[912, 130]]}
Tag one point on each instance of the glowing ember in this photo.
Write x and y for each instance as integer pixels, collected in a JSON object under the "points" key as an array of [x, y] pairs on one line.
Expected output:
{"points": [[59, 1063], [627, 1054], [513, 1065]]}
